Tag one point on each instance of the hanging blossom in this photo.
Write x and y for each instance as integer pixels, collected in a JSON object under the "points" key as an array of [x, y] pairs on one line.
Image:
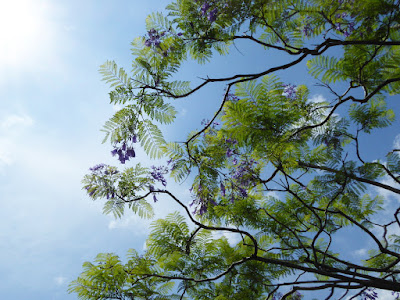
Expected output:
{"points": [[242, 170], [158, 174], [206, 12], [103, 169], [369, 294], [307, 28], [151, 188], [207, 122], [343, 25], [230, 143], [125, 149], [100, 171], [232, 97], [153, 38], [241, 174], [201, 204], [289, 91]]}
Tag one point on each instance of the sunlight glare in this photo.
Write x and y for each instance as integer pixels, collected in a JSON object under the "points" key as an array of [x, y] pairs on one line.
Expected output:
{"points": [[22, 30]]}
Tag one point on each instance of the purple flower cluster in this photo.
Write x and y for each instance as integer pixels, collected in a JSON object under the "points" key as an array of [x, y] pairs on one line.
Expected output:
{"points": [[346, 27], [307, 29], [223, 190], [206, 12], [289, 91], [240, 174], [103, 169], [151, 188], [230, 151], [206, 122], [369, 294], [200, 201], [242, 169], [124, 150], [154, 38], [97, 168], [99, 171], [232, 97], [158, 174]]}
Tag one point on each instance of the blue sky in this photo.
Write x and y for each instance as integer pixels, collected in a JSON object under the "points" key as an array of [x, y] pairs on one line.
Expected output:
{"points": [[52, 106]]}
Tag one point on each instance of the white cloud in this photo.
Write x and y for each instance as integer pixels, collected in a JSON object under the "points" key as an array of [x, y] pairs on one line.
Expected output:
{"points": [[232, 237], [388, 195], [131, 221], [396, 142], [117, 107], [317, 99], [12, 127], [60, 280], [5, 152], [15, 121], [361, 252]]}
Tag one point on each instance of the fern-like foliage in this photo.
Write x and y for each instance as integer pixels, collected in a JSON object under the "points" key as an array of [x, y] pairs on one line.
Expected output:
{"points": [[116, 77]]}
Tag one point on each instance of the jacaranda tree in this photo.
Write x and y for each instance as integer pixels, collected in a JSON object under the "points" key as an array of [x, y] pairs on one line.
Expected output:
{"points": [[285, 174]]}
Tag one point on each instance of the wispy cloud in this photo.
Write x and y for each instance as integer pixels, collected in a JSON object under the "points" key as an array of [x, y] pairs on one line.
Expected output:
{"points": [[60, 280], [361, 252], [396, 142], [317, 98], [12, 127]]}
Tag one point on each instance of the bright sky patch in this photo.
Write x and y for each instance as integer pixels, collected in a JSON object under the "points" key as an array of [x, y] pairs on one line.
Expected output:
{"points": [[22, 30]]}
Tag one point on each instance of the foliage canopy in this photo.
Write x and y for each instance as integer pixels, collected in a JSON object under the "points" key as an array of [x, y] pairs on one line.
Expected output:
{"points": [[285, 174]]}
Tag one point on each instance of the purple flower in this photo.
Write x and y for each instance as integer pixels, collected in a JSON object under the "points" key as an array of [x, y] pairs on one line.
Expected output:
{"points": [[342, 15], [114, 152], [212, 15], [130, 152], [222, 189], [234, 161], [369, 294], [98, 167], [229, 152], [232, 97], [349, 29], [179, 33], [203, 209], [290, 91], [154, 38], [124, 151], [204, 8], [231, 141], [243, 192], [307, 30], [158, 174]]}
